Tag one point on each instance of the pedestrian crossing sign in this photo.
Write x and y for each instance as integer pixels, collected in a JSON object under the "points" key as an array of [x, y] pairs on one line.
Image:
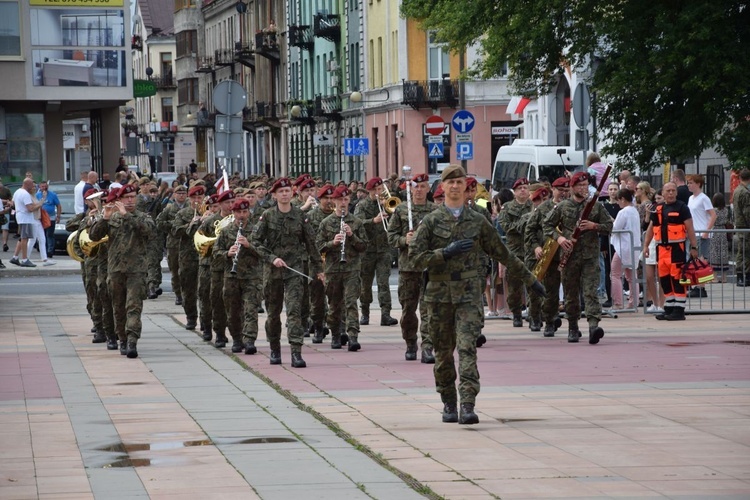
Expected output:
{"points": [[436, 150]]}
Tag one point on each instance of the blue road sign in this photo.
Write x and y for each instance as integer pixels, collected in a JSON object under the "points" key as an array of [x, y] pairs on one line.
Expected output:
{"points": [[436, 150], [463, 121], [465, 151], [356, 146]]}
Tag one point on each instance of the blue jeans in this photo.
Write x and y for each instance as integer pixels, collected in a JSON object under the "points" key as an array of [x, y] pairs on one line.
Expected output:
{"points": [[49, 234]]}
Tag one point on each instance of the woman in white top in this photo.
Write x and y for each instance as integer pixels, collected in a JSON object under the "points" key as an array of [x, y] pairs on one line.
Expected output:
{"points": [[704, 217], [626, 239]]}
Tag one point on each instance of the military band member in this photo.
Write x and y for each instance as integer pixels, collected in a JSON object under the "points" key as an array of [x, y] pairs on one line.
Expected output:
{"points": [[484, 269], [410, 277], [341, 234], [102, 283], [205, 304], [582, 271], [73, 225], [317, 288], [185, 225], [242, 288], [261, 194], [149, 201], [164, 225], [224, 202], [535, 239], [306, 201], [449, 243], [510, 219], [539, 194], [438, 197], [285, 239], [129, 231], [376, 262]]}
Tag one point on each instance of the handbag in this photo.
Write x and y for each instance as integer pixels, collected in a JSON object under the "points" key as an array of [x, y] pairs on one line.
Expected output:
{"points": [[46, 222], [696, 272]]}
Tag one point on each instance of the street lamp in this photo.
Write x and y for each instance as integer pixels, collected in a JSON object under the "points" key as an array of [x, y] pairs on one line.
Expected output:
{"points": [[356, 96], [296, 111]]}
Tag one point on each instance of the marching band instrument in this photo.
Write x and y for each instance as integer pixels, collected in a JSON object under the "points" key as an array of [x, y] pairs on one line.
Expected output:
{"points": [[390, 202], [88, 246], [381, 212], [342, 259], [74, 252], [407, 175], [236, 258], [548, 253], [203, 243]]}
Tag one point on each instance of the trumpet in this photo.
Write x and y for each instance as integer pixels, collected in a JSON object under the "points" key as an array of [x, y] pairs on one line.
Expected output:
{"points": [[407, 175], [342, 259], [236, 258]]}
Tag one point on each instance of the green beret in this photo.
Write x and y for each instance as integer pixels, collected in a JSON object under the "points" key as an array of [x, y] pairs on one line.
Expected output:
{"points": [[452, 171], [180, 189]]}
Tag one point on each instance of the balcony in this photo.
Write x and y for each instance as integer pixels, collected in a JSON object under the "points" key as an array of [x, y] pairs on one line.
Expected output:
{"points": [[224, 57], [327, 26], [262, 114], [266, 45], [431, 94], [204, 119], [243, 54], [301, 36], [205, 65], [306, 111], [328, 107], [164, 82]]}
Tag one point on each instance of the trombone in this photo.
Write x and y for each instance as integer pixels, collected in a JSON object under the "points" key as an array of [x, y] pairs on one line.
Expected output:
{"points": [[390, 202]]}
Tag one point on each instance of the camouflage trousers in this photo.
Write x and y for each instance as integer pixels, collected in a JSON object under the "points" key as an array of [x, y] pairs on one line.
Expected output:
{"points": [[103, 287], [317, 302], [534, 301], [155, 250], [305, 312], [411, 296], [376, 265], [342, 290], [128, 292], [514, 293], [454, 326], [743, 253], [204, 297], [219, 314], [189, 284], [279, 292], [173, 261], [582, 274], [551, 303], [241, 301], [94, 301]]}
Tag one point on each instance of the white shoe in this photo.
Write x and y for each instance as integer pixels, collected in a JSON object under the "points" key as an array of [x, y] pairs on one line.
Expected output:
{"points": [[491, 314], [49, 263]]}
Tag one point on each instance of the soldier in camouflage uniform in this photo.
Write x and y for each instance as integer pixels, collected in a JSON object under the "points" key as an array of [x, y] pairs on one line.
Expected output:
{"points": [[449, 242], [337, 233], [164, 225], [485, 262], [224, 203], [185, 225], [377, 260], [535, 239], [410, 277], [128, 231], [285, 239], [317, 287], [539, 194], [205, 305], [103, 286], [149, 201], [72, 226], [741, 200], [582, 269], [510, 219], [305, 201], [242, 289]]}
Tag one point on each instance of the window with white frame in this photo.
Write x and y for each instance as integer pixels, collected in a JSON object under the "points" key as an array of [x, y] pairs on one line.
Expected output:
{"points": [[438, 58]]}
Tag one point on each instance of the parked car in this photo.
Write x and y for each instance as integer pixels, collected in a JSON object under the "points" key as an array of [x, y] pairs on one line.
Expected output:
{"points": [[57, 187], [67, 202]]}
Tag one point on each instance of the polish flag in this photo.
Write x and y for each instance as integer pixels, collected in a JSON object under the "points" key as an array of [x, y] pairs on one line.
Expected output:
{"points": [[517, 105]]}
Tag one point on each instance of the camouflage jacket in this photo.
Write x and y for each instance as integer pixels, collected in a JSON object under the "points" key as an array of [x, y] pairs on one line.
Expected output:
{"points": [[533, 235], [366, 210], [165, 220], [741, 200], [143, 203], [353, 248], [249, 265], [512, 223], [565, 218], [287, 236], [316, 216], [183, 232], [128, 240], [398, 227], [456, 280]]}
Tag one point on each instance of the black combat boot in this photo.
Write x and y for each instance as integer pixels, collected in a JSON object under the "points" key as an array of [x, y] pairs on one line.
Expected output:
{"points": [[481, 340], [275, 357], [549, 330], [297, 361], [99, 337], [535, 325], [132, 352], [336, 341], [93, 329], [450, 413], [112, 344], [428, 357], [250, 347], [468, 417], [191, 324], [221, 341], [595, 333], [411, 351], [677, 314], [207, 335], [310, 329], [667, 311], [365, 319], [344, 338], [517, 320], [178, 300], [354, 345], [321, 332], [158, 291], [386, 320], [237, 346], [123, 346], [573, 332], [152, 293]]}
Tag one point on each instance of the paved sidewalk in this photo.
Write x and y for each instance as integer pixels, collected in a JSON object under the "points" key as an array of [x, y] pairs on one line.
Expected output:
{"points": [[657, 410]]}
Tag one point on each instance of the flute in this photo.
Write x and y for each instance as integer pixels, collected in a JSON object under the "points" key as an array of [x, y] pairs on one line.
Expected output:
{"points": [[236, 258], [343, 241]]}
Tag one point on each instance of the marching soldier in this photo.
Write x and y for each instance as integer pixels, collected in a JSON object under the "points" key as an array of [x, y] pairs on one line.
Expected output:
{"points": [[102, 285], [410, 277], [317, 288], [72, 225], [510, 219], [377, 260], [149, 201], [285, 241], [342, 238], [448, 243], [243, 276], [129, 231], [582, 269], [305, 201], [484, 268], [535, 241], [183, 229], [164, 225], [539, 194], [205, 305]]}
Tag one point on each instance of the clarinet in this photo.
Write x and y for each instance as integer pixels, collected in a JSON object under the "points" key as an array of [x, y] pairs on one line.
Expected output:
{"points": [[342, 259], [236, 258]]}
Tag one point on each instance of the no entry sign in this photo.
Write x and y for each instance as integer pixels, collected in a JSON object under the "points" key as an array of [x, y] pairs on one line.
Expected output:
{"points": [[434, 125]]}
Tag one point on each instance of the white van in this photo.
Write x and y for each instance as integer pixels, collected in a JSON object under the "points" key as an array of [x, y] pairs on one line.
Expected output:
{"points": [[532, 159]]}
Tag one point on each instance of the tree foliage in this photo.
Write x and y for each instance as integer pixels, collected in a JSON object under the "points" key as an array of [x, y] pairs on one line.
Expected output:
{"points": [[671, 79]]}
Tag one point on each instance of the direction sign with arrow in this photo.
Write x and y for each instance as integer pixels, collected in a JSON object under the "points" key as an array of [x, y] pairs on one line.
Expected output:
{"points": [[463, 121]]}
